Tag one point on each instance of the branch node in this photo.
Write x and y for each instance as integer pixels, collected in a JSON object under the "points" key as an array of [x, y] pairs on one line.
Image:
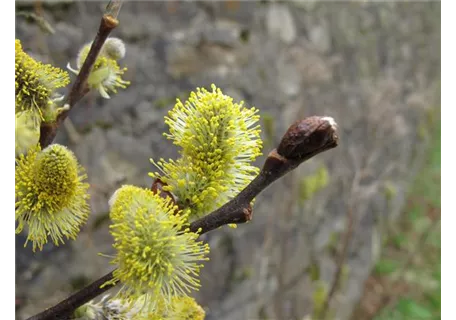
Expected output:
{"points": [[157, 188], [274, 162], [109, 21], [248, 212]]}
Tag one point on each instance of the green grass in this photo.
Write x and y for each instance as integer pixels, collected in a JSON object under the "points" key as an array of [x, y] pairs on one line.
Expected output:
{"points": [[417, 291]]}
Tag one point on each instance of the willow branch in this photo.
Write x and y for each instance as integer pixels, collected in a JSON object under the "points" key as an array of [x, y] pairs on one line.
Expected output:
{"points": [[65, 308], [109, 21], [303, 140]]}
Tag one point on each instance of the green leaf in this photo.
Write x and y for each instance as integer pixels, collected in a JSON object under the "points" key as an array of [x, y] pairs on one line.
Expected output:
{"points": [[413, 310], [386, 266], [434, 299], [399, 240]]}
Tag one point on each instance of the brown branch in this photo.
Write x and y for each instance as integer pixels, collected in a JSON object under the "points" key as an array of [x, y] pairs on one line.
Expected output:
{"points": [[109, 21], [303, 140], [65, 308]]}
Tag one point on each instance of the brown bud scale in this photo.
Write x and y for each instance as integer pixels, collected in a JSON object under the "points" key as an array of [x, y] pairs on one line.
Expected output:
{"points": [[308, 137]]}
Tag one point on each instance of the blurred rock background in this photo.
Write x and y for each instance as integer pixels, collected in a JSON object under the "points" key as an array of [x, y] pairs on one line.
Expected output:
{"points": [[374, 67]]}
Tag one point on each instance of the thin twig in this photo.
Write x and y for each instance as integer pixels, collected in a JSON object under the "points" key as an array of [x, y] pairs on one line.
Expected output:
{"points": [[38, 19], [282, 241], [340, 263], [303, 140], [48, 131]]}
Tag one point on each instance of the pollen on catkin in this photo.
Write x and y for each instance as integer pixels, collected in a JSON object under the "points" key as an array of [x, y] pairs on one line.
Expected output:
{"points": [[183, 308], [36, 84], [219, 139], [180, 308], [51, 197], [116, 308], [106, 74], [157, 255]]}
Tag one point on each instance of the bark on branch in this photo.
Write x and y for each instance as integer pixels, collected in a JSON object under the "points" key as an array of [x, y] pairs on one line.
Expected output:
{"points": [[303, 140]]}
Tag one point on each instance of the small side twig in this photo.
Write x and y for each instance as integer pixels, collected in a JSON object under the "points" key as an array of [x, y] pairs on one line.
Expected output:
{"points": [[109, 21], [38, 19], [282, 239], [340, 263]]}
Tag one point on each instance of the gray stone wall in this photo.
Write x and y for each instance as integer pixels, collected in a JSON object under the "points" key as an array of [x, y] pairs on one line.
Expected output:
{"points": [[374, 67]]}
